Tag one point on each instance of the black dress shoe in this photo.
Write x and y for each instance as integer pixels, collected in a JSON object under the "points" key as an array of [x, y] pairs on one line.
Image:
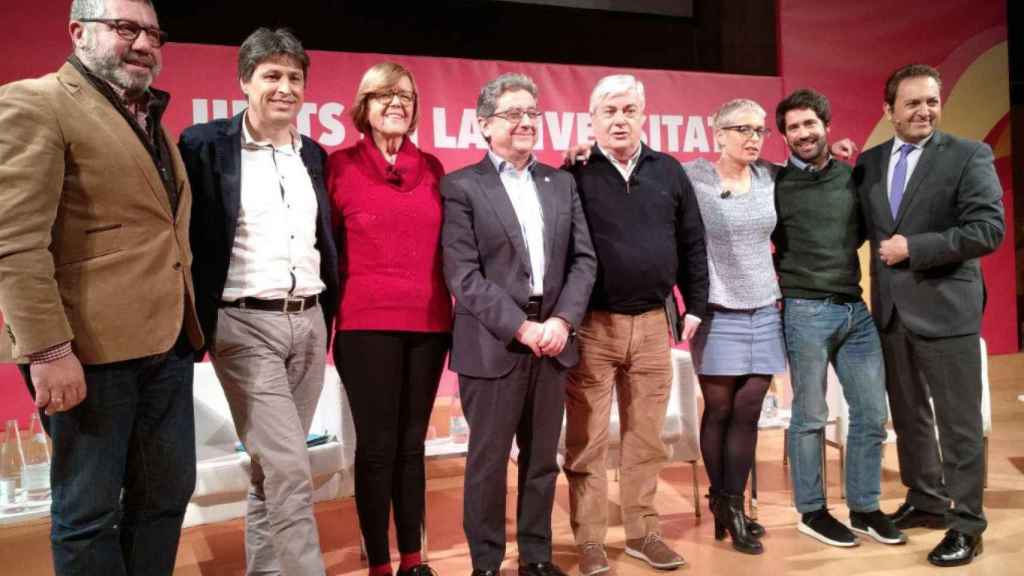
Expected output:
{"points": [[956, 549], [540, 569], [485, 573], [908, 516]]}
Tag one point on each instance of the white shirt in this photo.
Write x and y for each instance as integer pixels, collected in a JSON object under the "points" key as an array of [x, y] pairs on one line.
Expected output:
{"points": [[274, 254], [912, 157], [522, 192], [625, 169]]}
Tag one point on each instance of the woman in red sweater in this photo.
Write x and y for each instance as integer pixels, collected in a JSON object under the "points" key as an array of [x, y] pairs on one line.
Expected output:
{"points": [[394, 319]]}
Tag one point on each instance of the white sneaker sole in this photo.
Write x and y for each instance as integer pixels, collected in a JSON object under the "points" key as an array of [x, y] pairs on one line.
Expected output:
{"points": [[878, 537], [805, 529], [664, 566]]}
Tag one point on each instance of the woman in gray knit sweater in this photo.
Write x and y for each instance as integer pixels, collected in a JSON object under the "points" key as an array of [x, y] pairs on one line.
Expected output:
{"points": [[740, 343]]}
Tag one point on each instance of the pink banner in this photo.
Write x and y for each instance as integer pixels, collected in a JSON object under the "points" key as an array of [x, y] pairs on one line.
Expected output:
{"points": [[679, 104], [846, 50]]}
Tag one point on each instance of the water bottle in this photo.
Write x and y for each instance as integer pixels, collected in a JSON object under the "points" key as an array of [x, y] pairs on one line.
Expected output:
{"points": [[35, 477], [12, 462], [458, 427], [770, 407]]}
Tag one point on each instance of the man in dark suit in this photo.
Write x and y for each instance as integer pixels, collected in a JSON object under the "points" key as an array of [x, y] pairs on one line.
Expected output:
{"points": [[266, 275], [932, 204], [518, 259]]}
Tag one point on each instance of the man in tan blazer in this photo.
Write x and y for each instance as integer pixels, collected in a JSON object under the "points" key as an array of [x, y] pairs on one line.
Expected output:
{"points": [[96, 290]]}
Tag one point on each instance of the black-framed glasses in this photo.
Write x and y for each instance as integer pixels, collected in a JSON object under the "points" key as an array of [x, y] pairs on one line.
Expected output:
{"points": [[130, 30], [748, 131], [385, 98], [515, 115]]}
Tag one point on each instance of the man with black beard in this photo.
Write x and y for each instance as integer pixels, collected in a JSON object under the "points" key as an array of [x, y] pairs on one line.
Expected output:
{"points": [[820, 228], [96, 291]]}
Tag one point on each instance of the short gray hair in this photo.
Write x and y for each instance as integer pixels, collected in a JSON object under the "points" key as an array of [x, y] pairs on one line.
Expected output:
{"points": [[487, 102], [266, 44], [84, 9], [613, 86], [733, 107]]}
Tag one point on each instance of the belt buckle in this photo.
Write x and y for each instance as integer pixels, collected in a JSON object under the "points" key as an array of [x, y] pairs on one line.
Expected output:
{"points": [[294, 305]]}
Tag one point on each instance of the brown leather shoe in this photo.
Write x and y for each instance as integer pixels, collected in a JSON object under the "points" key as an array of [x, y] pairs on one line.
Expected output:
{"points": [[593, 560], [653, 550]]}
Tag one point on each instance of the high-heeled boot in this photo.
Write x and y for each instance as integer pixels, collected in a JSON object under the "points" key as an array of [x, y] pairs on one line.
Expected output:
{"points": [[755, 529], [729, 518]]}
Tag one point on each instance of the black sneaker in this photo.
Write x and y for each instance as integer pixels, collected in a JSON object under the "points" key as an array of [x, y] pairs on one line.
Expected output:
{"points": [[823, 527], [877, 525]]}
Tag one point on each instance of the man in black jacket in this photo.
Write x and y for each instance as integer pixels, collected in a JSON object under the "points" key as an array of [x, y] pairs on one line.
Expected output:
{"points": [[266, 275], [648, 236]]}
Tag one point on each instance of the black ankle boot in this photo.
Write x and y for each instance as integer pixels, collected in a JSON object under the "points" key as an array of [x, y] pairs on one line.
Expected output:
{"points": [[729, 518], [753, 528]]}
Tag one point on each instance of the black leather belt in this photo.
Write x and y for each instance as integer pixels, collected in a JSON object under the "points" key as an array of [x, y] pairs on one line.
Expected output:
{"points": [[286, 305], [532, 308]]}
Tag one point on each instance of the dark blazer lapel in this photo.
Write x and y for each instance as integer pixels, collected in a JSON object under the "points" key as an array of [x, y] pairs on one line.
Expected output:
{"points": [[924, 164], [494, 192], [229, 168], [881, 190], [118, 131], [549, 206]]}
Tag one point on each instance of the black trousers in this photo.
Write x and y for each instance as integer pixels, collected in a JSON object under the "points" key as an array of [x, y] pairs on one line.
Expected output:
{"points": [[526, 404], [947, 370], [391, 379]]}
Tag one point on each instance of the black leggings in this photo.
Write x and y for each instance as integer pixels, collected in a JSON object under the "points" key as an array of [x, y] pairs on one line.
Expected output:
{"points": [[728, 429], [391, 379]]}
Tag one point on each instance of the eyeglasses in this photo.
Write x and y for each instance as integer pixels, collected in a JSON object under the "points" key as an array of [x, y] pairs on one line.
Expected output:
{"points": [[405, 98], [748, 132], [515, 115], [129, 30]]}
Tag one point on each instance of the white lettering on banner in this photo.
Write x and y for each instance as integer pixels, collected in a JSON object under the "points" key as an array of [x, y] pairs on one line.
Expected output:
{"points": [[328, 116], [711, 124], [560, 130], [654, 132], [661, 132], [696, 139], [302, 120], [469, 131], [672, 123], [441, 137]]}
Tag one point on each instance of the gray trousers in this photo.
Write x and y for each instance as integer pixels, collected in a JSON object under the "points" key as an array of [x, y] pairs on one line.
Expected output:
{"points": [[271, 365], [948, 370]]}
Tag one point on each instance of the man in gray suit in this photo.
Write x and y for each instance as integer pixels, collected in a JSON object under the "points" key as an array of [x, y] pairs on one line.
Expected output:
{"points": [[518, 259], [932, 204]]}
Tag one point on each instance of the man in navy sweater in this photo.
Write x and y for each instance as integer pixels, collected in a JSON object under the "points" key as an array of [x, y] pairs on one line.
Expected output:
{"points": [[648, 236]]}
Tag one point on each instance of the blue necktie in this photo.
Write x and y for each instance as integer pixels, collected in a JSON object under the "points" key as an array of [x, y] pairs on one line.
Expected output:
{"points": [[899, 180]]}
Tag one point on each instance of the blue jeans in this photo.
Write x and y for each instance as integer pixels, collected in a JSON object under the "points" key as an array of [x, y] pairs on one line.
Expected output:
{"points": [[124, 468], [819, 332]]}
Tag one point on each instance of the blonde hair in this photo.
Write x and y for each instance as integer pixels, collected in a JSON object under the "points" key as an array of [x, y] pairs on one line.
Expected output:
{"points": [[381, 77], [732, 107]]}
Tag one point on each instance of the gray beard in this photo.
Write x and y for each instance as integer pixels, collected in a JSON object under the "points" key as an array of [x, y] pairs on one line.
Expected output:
{"points": [[109, 67]]}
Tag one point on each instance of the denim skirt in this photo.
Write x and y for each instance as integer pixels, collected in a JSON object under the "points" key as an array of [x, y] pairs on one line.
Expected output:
{"points": [[735, 342]]}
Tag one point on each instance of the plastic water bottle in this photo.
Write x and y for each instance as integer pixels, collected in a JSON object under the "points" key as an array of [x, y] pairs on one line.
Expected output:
{"points": [[12, 462], [458, 427], [35, 477], [770, 407]]}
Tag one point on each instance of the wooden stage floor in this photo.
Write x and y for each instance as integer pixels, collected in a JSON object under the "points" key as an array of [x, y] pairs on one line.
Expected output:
{"points": [[216, 550]]}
